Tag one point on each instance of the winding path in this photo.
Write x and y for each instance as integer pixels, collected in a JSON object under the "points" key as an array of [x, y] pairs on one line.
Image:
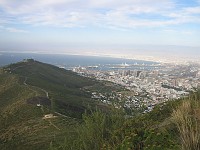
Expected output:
{"points": [[47, 95], [26, 78], [61, 115]]}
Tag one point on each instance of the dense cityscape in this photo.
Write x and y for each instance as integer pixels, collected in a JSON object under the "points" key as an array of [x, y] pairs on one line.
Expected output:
{"points": [[147, 84]]}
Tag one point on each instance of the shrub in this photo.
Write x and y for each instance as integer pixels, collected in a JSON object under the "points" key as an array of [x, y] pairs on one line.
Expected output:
{"points": [[187, 124]]}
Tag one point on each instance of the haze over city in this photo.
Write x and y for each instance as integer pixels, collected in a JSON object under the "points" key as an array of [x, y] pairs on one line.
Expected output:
{"points": [[138, 29]]}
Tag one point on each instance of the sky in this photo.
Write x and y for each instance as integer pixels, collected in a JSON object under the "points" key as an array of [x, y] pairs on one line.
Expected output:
{"points": [[102, 27]]}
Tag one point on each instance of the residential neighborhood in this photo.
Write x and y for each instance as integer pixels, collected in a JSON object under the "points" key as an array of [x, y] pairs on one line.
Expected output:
{"points": [[146, 87]]}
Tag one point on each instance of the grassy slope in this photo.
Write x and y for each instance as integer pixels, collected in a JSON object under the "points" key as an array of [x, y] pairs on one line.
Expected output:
{"points": [[21, 124], [63, 86]]}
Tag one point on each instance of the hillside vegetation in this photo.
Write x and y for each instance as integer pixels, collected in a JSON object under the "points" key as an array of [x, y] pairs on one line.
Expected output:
{"points": [[29, 90], [174, 125]]}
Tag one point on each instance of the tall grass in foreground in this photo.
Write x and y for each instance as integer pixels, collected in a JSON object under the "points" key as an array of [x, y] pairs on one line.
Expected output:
{"points": [[186, 120], [94, 133], [97, 129]]}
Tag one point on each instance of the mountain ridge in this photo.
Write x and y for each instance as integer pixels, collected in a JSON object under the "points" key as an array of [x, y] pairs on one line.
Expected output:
{"points": [[29, 90]]}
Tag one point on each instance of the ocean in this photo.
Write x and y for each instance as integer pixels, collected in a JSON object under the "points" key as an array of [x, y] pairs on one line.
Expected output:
{"points": [[70, 61]]}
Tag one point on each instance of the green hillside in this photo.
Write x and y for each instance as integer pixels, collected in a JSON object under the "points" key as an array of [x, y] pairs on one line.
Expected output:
{"points": [[67, 91], [63, 87], [28, 91]]}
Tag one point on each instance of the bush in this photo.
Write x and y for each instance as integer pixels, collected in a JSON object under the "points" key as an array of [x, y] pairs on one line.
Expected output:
{"points": [[187, 122]]}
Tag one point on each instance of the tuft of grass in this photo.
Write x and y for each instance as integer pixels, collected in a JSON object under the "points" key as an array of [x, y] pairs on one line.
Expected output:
{"points": [[186, 120]]}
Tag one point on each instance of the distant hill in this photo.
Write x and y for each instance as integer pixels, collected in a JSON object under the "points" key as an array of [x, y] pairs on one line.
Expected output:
{"points": [[64, 89], [29, 90]]}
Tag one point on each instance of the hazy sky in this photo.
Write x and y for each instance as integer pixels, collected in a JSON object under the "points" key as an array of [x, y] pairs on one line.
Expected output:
{"points": [[99, 26]]}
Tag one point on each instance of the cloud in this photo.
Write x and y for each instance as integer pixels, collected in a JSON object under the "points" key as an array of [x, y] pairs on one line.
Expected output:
{"points": [[13, 30], [114, 14], [178, 31], [16, 30], [192, 10]]}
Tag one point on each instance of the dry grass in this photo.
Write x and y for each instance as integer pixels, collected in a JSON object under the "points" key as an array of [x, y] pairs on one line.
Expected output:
{"points": [[187, 122]]}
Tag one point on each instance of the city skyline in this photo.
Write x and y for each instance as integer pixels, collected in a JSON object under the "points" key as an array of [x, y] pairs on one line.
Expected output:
{"points": [[150, 27]]}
